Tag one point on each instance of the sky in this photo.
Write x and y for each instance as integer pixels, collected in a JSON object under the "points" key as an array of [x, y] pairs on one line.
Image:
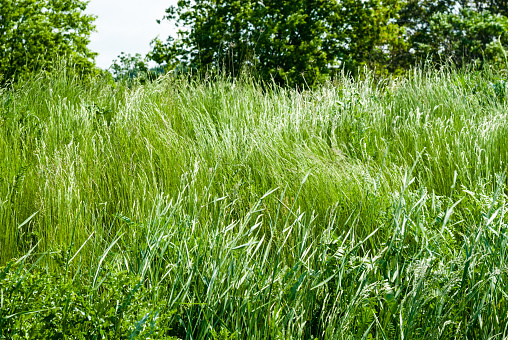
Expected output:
{"points": [[127, 26]]}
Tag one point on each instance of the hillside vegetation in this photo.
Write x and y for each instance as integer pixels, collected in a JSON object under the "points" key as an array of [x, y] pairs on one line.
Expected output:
{"points": [[227, 209]]}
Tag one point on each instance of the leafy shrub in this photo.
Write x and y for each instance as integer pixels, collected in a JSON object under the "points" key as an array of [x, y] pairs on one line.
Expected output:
{"points": [[39, 304]]}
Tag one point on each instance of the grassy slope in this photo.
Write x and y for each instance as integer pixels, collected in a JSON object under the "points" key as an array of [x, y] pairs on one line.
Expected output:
{"points": [[357, 208]]}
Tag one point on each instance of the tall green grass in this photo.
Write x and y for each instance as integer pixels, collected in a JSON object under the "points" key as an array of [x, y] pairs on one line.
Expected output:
{"points": [[364, 209]]}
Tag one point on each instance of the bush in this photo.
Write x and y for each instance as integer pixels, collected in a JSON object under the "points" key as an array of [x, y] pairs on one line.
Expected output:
{"points": [[41, 304]]}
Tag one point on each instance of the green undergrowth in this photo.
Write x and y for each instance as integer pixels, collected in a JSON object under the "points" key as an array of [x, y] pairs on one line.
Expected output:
{"points": [[219, 209]]}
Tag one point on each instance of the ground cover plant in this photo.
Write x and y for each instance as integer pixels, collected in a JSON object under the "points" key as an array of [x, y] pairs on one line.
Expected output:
{"points": [[226, 209]]}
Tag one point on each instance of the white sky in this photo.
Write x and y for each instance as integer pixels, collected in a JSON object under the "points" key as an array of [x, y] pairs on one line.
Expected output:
{"points": [[127, 26]]}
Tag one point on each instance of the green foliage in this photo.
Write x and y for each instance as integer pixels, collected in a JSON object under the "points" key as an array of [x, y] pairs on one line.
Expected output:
{"points": [[303, 43], [221, 209], [469, 35], [41, 304], [451, 30], [129, 68], [493, 6], [291, 42], [370, 35], [35, 33]]}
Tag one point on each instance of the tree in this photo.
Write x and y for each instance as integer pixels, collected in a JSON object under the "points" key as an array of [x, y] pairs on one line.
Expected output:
{"points": [[493, 6], [33, 33], [469, 35], [132, 68], [416, 17], [293, 42], [455, 30], [128, 66]]}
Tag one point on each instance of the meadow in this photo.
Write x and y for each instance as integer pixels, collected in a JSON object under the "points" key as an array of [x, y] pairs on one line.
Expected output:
{"points": [[227, 209]]}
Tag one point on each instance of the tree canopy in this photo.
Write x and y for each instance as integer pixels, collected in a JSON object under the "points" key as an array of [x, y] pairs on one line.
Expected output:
{"points": [[291, 42], [457, 30], [298, 41], [33, 33]]}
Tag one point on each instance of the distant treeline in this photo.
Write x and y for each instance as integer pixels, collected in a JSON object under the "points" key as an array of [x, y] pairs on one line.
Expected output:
{"points": [[289, 42]]}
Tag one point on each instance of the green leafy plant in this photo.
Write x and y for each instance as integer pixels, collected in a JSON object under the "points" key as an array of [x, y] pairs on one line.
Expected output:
{"points": [[134, 68], [37, 303], [295, 43], [35, 33]]}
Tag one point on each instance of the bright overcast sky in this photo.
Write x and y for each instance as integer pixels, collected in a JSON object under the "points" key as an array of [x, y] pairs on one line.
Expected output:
{"points": [[127, 26]]}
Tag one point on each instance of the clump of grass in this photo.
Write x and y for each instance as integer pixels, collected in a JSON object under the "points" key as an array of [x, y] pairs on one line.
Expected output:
{"points": [[360, 209], [412, 277]]}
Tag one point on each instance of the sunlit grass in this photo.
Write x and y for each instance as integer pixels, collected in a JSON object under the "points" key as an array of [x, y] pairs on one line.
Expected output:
{"points": [[372, 208]]}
